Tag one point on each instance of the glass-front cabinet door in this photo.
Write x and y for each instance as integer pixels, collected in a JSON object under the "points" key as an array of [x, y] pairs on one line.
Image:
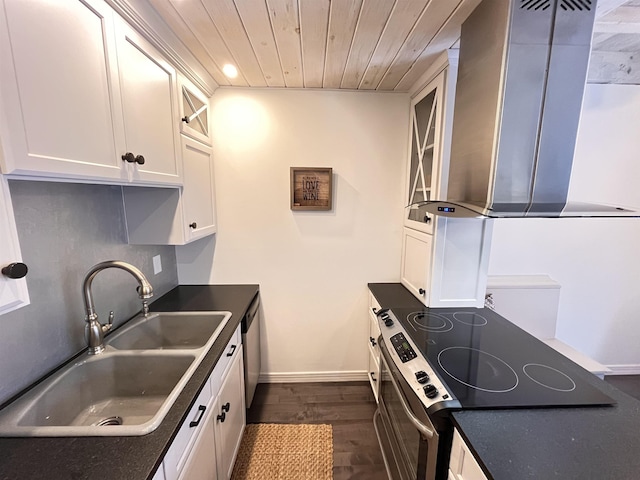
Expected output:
{"points": [[424, 155], [194, 112]]}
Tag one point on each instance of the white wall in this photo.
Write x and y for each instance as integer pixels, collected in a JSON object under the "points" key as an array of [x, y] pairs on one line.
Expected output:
{"points": [[312, 267], [596, 261]]}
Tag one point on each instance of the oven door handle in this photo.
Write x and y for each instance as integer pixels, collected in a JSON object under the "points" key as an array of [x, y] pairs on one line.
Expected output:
{"points": [[424, 429]]}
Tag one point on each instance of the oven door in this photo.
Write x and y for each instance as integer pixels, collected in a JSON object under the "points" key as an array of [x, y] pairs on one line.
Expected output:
{"points": [[407, 437]]}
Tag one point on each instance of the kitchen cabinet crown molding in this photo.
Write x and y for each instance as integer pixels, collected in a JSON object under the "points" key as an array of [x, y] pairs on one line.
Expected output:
{"points": [[141, 16]]}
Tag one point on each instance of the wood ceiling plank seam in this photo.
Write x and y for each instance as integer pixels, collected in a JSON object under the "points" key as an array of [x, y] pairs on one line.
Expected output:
{"points": [[366, 39], [353, 37], [287, 39], [314, 26], [226, 19], [343, 18], [622, 14], [446, 36], [167, 11], [404, 13], [257, 26], [612, 27], [616, 42], [418, 40], [197, 18], [399, 52]]}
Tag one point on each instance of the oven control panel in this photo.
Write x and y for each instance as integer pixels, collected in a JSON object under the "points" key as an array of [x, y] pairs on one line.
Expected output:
{"points": [[403, 349], [413, 366]]}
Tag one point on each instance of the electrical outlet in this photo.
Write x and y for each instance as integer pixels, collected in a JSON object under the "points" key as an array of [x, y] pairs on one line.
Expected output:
{"points": [[157, 264]]}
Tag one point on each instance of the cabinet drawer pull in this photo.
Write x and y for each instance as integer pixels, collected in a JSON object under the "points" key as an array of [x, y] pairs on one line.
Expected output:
{"points": [[226, 407], [195, 423], [421, 291], [221, 417], [372, 377], [373, 341], [193, 225], [233, 349]]}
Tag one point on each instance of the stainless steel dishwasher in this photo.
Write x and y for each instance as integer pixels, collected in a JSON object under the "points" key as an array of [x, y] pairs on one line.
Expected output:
{"points": [[251, 343]]}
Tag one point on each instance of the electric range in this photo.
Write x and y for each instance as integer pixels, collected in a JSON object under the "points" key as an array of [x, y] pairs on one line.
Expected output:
{"points": [[469, 358]]}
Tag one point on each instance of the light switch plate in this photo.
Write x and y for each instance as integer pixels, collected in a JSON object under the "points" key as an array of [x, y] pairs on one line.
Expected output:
{"points": [[157, 265]]}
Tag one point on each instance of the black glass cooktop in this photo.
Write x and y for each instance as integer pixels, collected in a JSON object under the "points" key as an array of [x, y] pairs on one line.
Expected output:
{"points": [[488, 362]]}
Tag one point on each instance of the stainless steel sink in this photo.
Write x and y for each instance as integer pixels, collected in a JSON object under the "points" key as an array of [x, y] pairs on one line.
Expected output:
{"points": [[168, 330], [126, 390]]}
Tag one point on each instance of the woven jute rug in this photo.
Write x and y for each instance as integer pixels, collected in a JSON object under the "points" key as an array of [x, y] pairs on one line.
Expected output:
{"points": [[285, 452]]}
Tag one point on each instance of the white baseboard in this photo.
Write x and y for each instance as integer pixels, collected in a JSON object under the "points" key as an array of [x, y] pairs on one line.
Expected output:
{"points": [[304, 377], [624, 369]]}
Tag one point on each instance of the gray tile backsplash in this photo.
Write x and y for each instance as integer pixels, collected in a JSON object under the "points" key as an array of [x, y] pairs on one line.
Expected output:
{"points": [[65, 229]]}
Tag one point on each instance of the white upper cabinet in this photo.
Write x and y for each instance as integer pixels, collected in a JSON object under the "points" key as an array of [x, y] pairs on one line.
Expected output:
{"points": [[79, 90], [425, 152], [148, 88], [444, 260], [194, 111], [198, 194], [175, 216], [13, 291], [58, 90]]}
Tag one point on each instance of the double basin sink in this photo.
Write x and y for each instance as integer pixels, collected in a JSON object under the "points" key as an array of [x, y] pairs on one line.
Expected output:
{"points": [[127, 389]]}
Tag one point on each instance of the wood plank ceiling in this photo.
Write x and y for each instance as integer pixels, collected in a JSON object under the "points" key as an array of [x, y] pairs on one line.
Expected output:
{"points": [[348, 44], [383, 45]]}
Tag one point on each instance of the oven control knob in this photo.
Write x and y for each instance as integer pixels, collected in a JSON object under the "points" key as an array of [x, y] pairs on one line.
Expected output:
{"points": [[388, 322], [422, 376], [430, 391]]}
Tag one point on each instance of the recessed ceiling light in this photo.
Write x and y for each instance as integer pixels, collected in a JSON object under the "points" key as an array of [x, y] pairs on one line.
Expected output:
{"points": [[230, 70]]}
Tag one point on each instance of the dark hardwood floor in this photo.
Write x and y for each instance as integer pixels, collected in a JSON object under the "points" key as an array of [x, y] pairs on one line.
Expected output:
{"points": [[348, 406], [629, 384]]}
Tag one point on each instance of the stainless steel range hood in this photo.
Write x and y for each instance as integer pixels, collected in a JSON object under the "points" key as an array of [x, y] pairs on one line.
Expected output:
{"points": [[521, 78]]}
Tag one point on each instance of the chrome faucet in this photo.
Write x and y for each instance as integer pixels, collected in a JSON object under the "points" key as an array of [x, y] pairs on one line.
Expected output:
{"points": [[93, 330]]}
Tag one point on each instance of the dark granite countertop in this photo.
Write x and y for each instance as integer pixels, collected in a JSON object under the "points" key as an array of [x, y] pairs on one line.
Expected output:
{"points": [[563, 443], [129, 458], [394, 295], [592, 443]]}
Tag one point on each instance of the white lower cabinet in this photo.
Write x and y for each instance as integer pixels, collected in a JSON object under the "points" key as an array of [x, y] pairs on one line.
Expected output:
{"points": [[207, 443], [462, 464], [230, 418], [373, 371]]}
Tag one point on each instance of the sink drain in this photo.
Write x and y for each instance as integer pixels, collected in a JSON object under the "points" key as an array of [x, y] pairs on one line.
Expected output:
{"points": [[109, 421]]}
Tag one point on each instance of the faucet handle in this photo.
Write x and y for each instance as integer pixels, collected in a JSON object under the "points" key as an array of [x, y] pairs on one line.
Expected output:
{"points": [[107, 326]]}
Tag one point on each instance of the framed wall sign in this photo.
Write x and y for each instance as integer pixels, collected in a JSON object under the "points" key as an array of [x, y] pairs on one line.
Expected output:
{"points": [[311, 188]]}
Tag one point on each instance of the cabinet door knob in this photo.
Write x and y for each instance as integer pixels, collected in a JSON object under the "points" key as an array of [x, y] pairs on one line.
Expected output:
{"points": [[421, 291], [226, 407], [221, 418], [373, 341], [15, 270], [185, 119], [371, 374], [139, 159], [193, 225], [129, 157]]}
